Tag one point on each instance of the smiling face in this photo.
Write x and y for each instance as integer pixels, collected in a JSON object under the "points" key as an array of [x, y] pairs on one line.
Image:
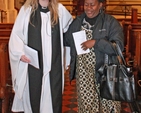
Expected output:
{"points": [[92, 7]]}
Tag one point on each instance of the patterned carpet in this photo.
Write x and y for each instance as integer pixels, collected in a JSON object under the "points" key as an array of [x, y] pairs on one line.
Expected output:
{"points": [[70, 98]]}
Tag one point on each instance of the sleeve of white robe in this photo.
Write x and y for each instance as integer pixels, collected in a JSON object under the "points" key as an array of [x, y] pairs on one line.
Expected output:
{"points": [[16, 44], [66, 17]]}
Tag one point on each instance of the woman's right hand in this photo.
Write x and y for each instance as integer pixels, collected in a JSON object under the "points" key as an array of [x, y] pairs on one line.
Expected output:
{"points": [[25, 59], [87, 44]]}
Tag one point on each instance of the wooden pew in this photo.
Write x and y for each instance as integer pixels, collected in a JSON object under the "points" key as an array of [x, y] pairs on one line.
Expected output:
{"points": [[6, 25], [5, 76], [134, 47], [129, 40], [5, 32], [138, 49], [6, 93], [132, 35], [137, 61], [133, 51], [125, 30], [5, 29]]}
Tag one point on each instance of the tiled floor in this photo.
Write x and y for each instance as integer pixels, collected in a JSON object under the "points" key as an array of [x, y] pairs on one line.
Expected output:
{"points": [[70, 100]]}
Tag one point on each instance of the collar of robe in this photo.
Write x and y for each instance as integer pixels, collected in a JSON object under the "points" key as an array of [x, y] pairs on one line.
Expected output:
{"points": [[43, 9]]}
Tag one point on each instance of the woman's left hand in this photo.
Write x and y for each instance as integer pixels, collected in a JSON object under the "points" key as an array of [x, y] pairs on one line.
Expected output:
{"points": [[87, 44]]}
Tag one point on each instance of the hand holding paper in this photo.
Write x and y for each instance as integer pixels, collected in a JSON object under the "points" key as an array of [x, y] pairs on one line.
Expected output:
{"points": [[79, 38], [32, 55]]}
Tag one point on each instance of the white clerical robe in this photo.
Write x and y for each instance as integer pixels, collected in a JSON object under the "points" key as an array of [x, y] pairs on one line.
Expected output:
{"points": [[19, 71]]}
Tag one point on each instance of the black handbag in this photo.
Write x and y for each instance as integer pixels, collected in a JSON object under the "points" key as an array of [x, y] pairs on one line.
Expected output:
{"points": [[117, 80]]}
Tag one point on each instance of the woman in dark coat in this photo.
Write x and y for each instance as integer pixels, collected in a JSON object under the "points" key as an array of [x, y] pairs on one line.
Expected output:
{"points": [[100, 30]]}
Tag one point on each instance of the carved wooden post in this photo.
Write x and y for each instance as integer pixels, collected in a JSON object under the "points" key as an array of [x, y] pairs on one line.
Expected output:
{"points": [[137, 61], [128, 41], [134, 16], [138, 49]]}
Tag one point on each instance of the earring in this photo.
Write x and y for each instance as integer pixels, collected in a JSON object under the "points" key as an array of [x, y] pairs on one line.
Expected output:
{"points": [[100, 10]]}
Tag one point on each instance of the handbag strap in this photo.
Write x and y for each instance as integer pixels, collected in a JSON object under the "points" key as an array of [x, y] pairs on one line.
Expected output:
{"points": [[119, 53]]}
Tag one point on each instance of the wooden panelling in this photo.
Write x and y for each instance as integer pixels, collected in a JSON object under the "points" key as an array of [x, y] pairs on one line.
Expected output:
{"points": [[5, 29], [5, 77]]}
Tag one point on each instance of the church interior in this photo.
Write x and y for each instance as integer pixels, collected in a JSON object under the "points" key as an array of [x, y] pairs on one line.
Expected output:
{"points": [[127, 12]]}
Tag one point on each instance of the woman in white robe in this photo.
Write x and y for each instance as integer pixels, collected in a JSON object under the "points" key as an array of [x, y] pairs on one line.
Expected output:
{"points": [[40, 25]]}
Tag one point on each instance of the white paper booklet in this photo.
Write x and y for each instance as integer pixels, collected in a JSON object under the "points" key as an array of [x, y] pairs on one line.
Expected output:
{"points": [[80, 37], [32, 55]]}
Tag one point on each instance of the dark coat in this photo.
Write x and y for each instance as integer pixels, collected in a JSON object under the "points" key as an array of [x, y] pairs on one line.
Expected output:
{"points": [[106, 29]]}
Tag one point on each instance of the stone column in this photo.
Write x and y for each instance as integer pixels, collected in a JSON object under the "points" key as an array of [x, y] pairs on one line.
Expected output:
{"points": [[2, 10], [11, 12]]}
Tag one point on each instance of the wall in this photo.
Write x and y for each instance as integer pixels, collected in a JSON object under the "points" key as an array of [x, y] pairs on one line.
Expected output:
{"points": [[127, 9], [67, 3], [8, 12]]}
